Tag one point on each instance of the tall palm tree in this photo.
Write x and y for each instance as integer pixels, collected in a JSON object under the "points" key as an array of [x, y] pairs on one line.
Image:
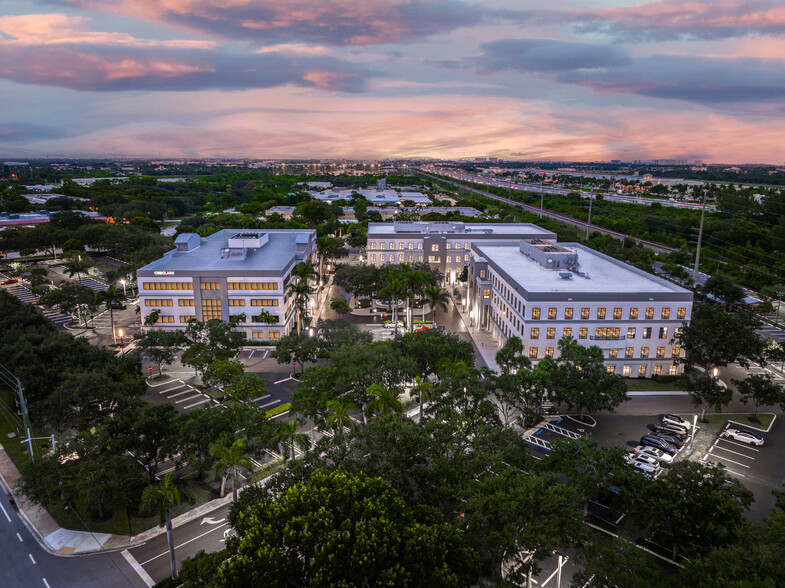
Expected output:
{"points": [[436, 297], [395, 289], [300, 290], [338, 416], [424, 390], [77, 266], [232, 460], [161, 497], [287, 436], [384, 400], [110, 297], [415, 280]]}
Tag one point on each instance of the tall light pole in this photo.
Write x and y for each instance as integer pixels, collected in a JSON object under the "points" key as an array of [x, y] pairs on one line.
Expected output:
{"points": [[123, 284], [700, 239], [121, 334]]}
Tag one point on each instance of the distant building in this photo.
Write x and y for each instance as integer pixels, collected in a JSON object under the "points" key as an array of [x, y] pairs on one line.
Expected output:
{"points": [[541, 291], [9, 219], [231, 272]]}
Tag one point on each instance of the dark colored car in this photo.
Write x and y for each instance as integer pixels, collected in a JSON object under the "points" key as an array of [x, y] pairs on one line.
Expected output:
{"points": [[659, 443], [675, 441], [117, 305]]}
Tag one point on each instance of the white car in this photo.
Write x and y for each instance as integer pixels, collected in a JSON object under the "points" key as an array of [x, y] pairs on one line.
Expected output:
{"points": [[645, 467], [673, 419], [743, 436], [391, 325], [641, 458], [653, 452]]}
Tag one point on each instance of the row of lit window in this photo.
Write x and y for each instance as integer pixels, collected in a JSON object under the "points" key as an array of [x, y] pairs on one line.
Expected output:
{"points": [[601, 333], [167, 285], [665, 313], [411, 246], [190, 302], [270, 335], [431, 258]]}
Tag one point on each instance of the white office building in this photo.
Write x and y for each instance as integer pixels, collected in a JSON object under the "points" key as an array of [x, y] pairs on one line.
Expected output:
{"points": [[540, 291], [445, 245], [229, 273]]}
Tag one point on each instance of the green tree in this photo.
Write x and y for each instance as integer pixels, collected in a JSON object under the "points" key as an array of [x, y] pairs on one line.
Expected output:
{"points": [[160, 498], [152, 318], [246, 387], [384, 400], [340, 305], [110, 297], [78, 265], [159, 346], [761, 391], [394, 290], [705, 392], [436, 298], [353, 531], [230, 461], [69, 298], [617, 563], [300, 290], [286, 436], [338, 416], [510, 358], [199, 429], [222, 371], [297, 348], [148, 432]]}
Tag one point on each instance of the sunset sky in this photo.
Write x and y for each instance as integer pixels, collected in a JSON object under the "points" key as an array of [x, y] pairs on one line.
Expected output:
{"points": [[517, 79]]}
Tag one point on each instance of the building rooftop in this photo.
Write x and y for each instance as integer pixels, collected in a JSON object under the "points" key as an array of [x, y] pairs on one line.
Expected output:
{"points": [[234, 250], [594, 273], [491, 230]]}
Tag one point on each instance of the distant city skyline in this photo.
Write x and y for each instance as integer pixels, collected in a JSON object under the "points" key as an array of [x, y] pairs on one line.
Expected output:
{"points": [[596, 80]]}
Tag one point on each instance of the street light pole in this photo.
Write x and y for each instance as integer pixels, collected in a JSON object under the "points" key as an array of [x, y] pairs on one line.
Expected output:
{"points": [[121, 333], [588, 224], [700, 238], [124, 292]]}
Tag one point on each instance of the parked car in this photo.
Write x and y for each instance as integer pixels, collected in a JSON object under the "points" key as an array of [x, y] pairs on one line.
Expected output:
{"points": [[391, 325], [9, 281], [675, 441], [645, 468], [657, 454], [659, 443], [669, 429], [640, 458], [117, 305], [676, 420], [743, 436]]}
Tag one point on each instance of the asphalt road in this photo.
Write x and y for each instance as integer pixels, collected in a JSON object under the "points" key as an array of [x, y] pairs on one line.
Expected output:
{"points": [[25, 563]]}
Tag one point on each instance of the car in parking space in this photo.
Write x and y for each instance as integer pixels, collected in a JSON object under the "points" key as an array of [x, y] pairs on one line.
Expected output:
{"points": [[659, 443], [675, 441], [742, 436], [9, 281], [391, 325], [646, 468], [675, 420], [657, 454], [640, 458], [668, 429]]}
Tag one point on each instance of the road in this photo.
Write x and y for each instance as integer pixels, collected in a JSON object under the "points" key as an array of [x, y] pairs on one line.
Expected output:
{"points": [[25, 563], [657, 247]]}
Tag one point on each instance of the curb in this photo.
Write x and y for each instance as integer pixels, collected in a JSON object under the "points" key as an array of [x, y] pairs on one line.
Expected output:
{"points": [[747, 426]]}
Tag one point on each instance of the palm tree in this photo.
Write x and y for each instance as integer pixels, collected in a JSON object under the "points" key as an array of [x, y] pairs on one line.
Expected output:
{"points": [[287, 436], [435, 296], [110, 297], [384, 399], [160, 497], [395, 289], [77, 266], [415, 281], [300, 290], [232, 460], [424, 390], [339, 416]]}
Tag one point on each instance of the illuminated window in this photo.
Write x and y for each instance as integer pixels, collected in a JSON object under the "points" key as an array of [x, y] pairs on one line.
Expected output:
{"points": [[165, 319], [186, 318], [466, 245], [264, 302], [660, 352], [657, 370], [373, 257], [533, 352], [449, 259], [411, 246], [185, 302], [649, 313], [633, 314], [611, 369], [534, 333], [158, 302], [626, 371], [449, 245], [381, 246], [584, 313], [419, 245], [681, 313], [613, 353], [212, 286], [606, 333], [275, 335], [257, 335], [411, 258], [617, 313], [663, 332], [600, 313], [549, 352], [434, 247], [466, 258], [673, 370], [567, 332], [400, 257], [550, 333], [167, 286], [641, 371], [535, 314], [676, 351], [211, 309], [568, 314], [644, 352], [400, 245], [486, 293], [482, 274], [666, 314], [458, 245], [373, 246], [628, 352], [583, 333], [381, 257], [647, 332], [252, 286], [434, 259], [236, 302], [552, 313], [392, 245]]}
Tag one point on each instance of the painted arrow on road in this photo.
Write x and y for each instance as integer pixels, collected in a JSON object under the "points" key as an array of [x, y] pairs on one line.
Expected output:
{"points": [[211, 521]]}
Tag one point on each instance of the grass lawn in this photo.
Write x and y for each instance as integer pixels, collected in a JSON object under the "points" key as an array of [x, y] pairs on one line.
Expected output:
{"points": [[716, 422], [647, 385]]}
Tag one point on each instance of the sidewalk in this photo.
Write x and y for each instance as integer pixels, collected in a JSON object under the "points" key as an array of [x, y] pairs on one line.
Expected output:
{"points": [[65, 542], [484, 344]]}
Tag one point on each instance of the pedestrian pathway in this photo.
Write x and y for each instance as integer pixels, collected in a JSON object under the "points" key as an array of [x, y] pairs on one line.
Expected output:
{"points": [[484, 343]]}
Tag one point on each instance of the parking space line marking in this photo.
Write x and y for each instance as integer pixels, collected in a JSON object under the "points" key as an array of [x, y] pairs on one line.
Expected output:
{"points": [[170, 385], [20, 538], [266, 351], [730, 460], [734, 452], [5, 513], [138, 568], [269, 404], [196, 403], [32, 559], [187, 391], [284, 380], [187, 399], [144, 563], [737, 444], [46, 583]]}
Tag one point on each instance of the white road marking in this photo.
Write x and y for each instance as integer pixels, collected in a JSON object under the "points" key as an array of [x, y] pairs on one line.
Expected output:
{"points": [[737, 444], [197, 403], [266, 351], [20, 538], [734, 452], [32, 559], [284, 380], [138, 568], [269, 404], [187, 399], [187, 391], [730, 460], [46, 583], [182, 544], [5, 513]]}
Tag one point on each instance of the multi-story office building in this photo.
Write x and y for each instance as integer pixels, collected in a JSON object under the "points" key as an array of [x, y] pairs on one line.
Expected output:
{"points": [[445, 245], [540, 291], [229, 273]]}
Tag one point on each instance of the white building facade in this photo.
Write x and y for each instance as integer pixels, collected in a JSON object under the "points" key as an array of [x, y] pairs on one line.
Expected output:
{"points": [[229, 273], [540, 291], [444, 245]]}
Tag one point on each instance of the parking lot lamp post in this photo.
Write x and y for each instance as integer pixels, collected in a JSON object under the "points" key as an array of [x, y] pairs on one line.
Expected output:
{"points": [[121, 334], [124, 292]]}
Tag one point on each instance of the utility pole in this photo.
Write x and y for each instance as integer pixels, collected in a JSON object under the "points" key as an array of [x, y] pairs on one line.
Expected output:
{"points": [[16, 384], [700, 239], [542, 196], [588, 224]]}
